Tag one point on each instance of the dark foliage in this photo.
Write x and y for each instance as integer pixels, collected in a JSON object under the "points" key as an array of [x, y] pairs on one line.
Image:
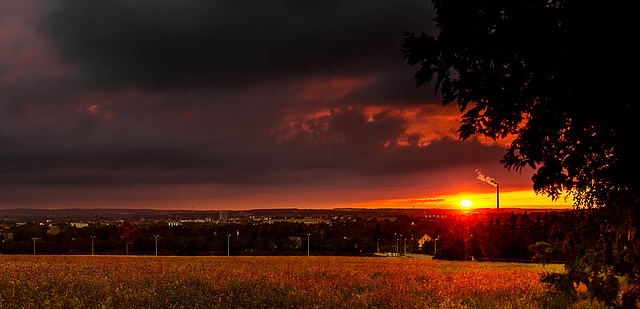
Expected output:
{"points": [[460, 237], [517, 67], [545, 71], [354, 236]]}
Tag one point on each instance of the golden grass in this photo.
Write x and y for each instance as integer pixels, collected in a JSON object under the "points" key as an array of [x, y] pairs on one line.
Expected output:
{"points": [[264, 282]]}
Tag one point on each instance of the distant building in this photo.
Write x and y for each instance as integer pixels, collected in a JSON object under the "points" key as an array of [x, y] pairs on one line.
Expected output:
{"points": [[79, 224], [309, 220], [53, 230], [174, 223], [7, 236], [306, 220], [424, 239], [436, 216]]}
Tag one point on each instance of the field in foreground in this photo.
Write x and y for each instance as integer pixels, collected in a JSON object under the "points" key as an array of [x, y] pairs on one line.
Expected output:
{"points": [[264, 282]]}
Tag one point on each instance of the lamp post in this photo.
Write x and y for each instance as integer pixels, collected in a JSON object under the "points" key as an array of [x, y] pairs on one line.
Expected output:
{"points": [[396, 241], [411, 245], [156, 236], [92, 237], [308, 244], [228, 241], [435, 245], [404, 241], [34, 245]]}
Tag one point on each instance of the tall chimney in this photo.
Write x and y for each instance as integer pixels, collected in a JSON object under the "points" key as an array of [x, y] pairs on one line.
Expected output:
{"points": [[492, 182], [497, 198]]}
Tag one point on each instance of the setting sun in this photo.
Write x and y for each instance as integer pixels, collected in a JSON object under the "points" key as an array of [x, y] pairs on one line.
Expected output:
{"points": [[466, 203]]}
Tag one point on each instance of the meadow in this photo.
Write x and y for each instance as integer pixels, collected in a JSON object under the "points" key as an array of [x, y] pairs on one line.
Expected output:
{"points": [[28, 281]]}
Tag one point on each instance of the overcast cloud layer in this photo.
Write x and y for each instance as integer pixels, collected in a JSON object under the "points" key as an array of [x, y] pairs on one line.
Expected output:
{"points": [[99, 98]]}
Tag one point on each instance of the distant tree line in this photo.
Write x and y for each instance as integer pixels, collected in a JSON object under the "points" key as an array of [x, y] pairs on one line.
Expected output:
{"points": [[516, 237], [507, 236]]}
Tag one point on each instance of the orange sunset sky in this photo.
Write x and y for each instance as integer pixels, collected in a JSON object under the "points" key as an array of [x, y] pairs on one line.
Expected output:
{"points": [[221, 105]]}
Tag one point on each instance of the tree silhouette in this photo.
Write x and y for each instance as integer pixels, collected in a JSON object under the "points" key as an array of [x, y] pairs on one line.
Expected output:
{"points": [[537, 69]]}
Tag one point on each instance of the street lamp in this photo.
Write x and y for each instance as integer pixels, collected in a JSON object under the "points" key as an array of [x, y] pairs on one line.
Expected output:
{"points": [[308, 244], [156, 236], [396, 240], [228, 240], [404, 241], [92, 237], [34, 245], [411, 245], [435, 245]]}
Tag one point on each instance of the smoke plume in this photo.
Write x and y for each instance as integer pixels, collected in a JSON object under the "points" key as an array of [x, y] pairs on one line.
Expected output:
{"points": [[486, 179]]}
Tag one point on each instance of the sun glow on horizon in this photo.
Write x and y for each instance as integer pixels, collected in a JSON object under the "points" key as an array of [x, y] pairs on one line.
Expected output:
{"points": [[482, 199], [466, 203]]}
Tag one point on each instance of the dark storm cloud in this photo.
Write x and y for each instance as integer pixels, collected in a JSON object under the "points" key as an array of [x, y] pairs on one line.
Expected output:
{"points": [[152, 41], [102, 98], [95, 150], [395, 87]]}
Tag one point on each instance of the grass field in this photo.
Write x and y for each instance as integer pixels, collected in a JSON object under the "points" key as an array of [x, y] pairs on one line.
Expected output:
{"points": [[265, 282]]}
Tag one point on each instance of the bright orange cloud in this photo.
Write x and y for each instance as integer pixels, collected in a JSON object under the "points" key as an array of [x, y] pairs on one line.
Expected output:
{"points": [[424, 124]]}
